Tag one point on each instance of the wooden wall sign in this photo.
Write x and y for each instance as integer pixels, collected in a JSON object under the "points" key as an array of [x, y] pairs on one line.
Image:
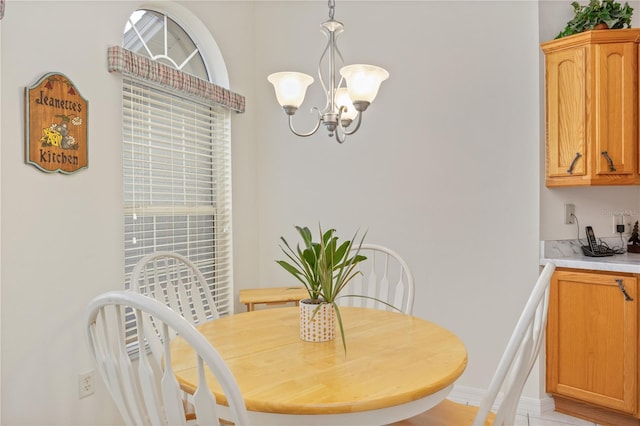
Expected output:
{"points": [[56, 125]]}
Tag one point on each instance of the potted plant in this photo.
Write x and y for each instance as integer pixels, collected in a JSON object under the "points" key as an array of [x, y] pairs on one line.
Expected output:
{"points": [[324, 267], [598, 14]]}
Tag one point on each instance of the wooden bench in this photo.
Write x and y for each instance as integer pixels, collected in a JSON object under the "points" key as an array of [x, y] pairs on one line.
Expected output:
{"points": [[272, 296]]}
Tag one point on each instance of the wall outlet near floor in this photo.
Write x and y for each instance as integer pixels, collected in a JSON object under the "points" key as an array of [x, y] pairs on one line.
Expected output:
{"points": [[86, 383]]}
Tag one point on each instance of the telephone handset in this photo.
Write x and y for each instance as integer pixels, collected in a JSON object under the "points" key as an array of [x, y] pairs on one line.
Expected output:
{"points": [[594, 249], [591, 239]]}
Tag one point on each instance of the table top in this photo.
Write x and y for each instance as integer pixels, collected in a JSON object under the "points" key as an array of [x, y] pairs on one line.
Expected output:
{"points": [[391, 359]]}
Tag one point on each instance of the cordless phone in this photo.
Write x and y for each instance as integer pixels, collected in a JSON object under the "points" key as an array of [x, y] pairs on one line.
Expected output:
{"points": [[594, 249], [591, 239]]}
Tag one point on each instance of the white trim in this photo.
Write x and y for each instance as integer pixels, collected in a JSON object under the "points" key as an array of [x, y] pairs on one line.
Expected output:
{"points": [[527, 405]]}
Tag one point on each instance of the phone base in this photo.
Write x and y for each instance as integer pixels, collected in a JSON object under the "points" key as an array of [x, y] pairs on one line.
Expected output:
{"points": [[602, 251]]}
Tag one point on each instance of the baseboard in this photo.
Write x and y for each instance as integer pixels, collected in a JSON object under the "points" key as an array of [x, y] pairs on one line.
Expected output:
{"points": [[527, 405]]}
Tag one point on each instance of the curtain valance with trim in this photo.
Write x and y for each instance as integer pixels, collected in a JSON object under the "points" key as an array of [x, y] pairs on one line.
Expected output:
{"points": [[128, 62]]}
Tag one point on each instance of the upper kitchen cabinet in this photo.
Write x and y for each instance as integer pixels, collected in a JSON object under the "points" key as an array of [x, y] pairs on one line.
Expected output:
{"points": [[592, 102]]}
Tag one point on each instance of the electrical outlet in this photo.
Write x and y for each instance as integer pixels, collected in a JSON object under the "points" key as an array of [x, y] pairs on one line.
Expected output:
{"points": [[86, 383], [617, 219], [569, 212], [624, 219]]}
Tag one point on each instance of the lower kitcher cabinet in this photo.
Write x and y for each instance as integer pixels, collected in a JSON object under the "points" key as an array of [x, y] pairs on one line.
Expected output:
{"points": [[592, 345]]}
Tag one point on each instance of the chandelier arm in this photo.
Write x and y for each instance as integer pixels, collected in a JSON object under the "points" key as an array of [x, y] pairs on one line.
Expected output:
{"points": [[335, 58], [345, 129], [332, 72], [321, 77], [341, 61], [304, 135], [339, 56]]}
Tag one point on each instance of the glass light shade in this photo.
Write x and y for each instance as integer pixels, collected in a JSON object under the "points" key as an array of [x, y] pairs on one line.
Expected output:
{"points": [[343, 99], [290, 87], [363, 81]]}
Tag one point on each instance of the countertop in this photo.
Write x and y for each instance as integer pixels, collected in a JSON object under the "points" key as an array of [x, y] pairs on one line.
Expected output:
{"points": [[568, 254]]}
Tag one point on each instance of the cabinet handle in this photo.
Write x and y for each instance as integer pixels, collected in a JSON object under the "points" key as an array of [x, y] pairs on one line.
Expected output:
{"points": [[573, 163], [606, 156], [624, 291]]}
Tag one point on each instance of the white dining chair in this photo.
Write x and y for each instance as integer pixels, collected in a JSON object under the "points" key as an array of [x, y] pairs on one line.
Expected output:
{"points": [[175, 281], [385, 276], [148, 393], [513, 370]]}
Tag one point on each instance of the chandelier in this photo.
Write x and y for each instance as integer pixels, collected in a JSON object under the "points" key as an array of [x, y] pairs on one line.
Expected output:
{"points": [[342, 113]]}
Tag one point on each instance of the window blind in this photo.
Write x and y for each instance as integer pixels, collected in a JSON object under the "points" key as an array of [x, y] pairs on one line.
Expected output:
{"points": [[177, 182]]}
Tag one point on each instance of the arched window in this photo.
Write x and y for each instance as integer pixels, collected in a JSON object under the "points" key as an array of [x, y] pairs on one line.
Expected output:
{"points": [[160, 38], [176, 150]]}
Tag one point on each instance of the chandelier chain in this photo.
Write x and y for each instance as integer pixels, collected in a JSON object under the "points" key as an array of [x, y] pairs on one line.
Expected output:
{"points": [[332, 8]]}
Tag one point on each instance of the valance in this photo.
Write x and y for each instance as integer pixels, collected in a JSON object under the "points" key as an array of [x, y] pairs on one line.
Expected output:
{"points": [[128, 62]]}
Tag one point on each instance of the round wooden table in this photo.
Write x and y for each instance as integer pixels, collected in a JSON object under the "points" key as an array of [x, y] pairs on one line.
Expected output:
{"points": [[395, 366]]}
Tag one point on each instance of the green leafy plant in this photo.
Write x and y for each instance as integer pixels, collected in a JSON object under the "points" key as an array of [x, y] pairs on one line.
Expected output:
{"points": [[324, 267], [597, 14]]}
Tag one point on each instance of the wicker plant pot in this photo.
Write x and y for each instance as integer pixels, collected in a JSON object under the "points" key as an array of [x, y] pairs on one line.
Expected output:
{"points": [[317, 321]]}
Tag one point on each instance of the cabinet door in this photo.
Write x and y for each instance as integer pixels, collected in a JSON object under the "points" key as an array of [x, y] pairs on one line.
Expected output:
{"points": [[615, 120], [566, 113], [592, 341]]}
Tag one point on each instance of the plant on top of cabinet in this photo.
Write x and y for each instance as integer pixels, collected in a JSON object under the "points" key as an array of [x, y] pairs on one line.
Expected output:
{"points": [[598, 15]]}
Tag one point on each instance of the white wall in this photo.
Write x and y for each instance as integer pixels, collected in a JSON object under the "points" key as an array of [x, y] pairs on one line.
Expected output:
{"points": [[446, 170], [59, 233], [61, 242]]}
